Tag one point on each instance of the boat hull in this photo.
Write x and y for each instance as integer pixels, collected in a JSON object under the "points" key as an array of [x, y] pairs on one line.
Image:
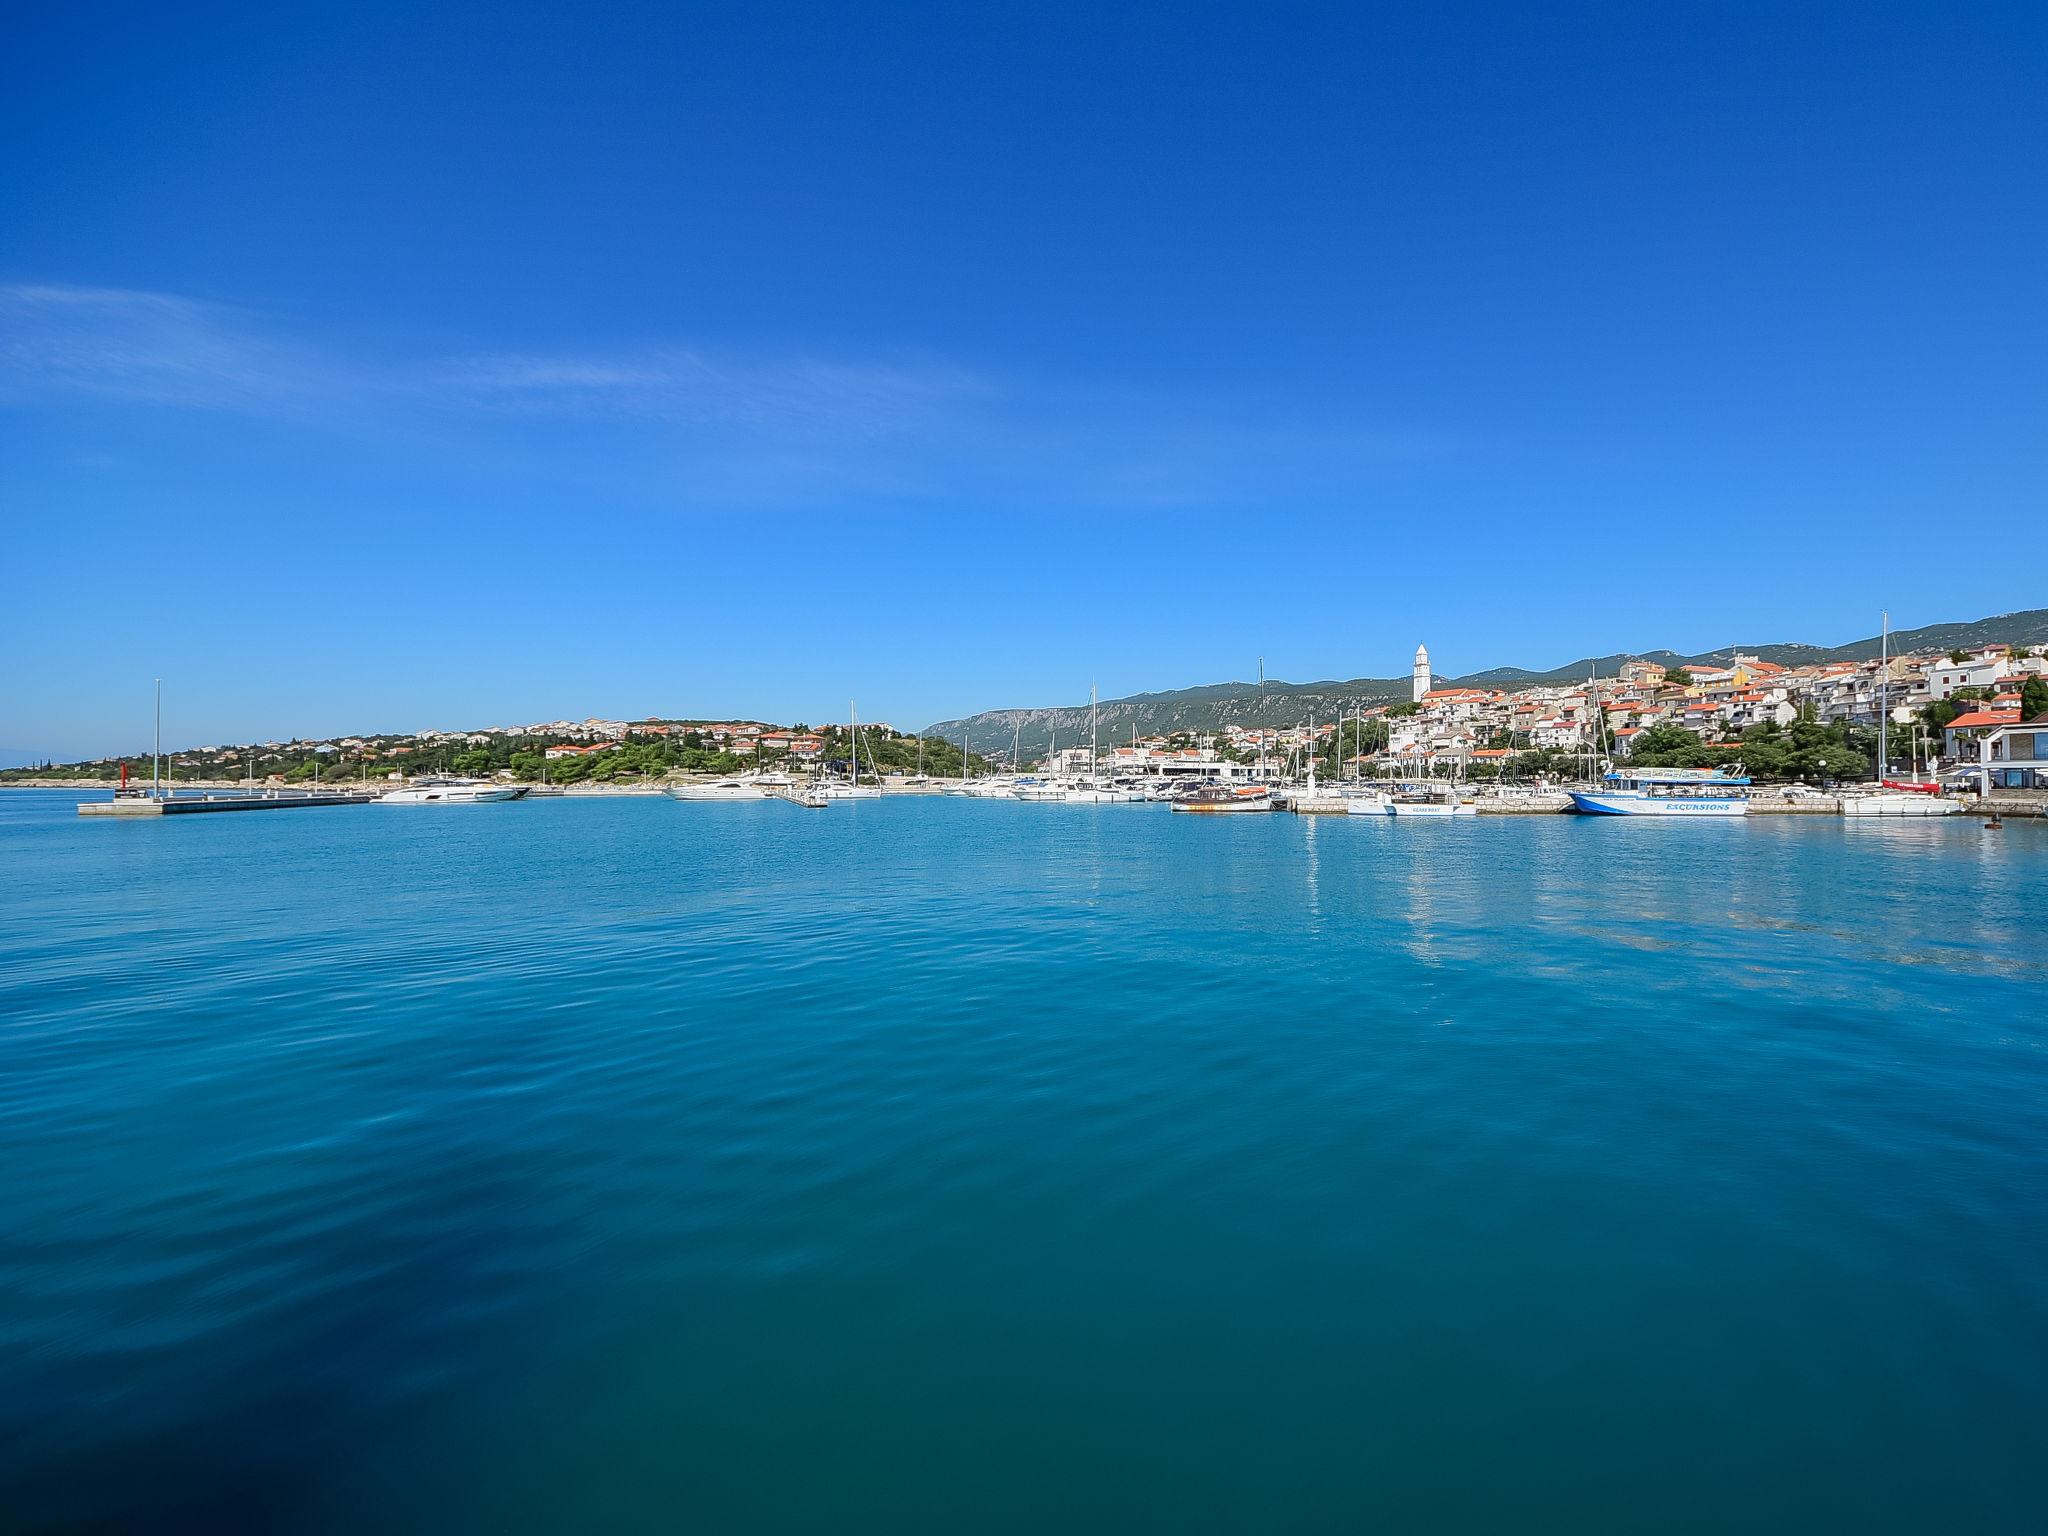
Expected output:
{"points": [[1239, 804], [458, 796], [1897, 805], [1622, 802], [715, 792]]}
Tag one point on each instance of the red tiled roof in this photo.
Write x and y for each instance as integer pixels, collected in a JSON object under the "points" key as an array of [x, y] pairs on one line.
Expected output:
{"points": [[1984, 717]]}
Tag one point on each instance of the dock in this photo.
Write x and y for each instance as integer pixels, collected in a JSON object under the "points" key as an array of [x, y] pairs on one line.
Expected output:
{"points": [[147, 804]]}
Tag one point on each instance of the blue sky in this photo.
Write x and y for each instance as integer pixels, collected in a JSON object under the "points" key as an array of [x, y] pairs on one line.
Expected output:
{"points": [[369, 369]]}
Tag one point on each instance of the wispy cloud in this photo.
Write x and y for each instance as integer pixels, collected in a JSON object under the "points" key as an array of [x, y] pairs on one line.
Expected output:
{"points": [[154, 347], [686, 387], [169, 350], [724, 427]]}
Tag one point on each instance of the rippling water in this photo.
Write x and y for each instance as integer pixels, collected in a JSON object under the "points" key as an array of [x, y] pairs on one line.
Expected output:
{"points": [[928, 1165]]}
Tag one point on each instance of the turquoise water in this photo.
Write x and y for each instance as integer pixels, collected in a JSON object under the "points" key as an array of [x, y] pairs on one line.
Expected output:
{"points": [[930, 1165]]}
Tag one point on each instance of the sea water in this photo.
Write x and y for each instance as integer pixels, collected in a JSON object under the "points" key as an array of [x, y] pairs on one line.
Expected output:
{"points": [[944, 1165]]}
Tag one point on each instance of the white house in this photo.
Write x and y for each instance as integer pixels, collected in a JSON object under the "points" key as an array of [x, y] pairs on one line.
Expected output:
{"points": [[2016, 756], [1945, 676]]}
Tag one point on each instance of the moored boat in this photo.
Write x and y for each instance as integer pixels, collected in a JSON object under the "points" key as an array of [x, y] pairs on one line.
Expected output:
{"points": [[1894, 797], [850, 787], [1908, 800], [1225, 799], [724, 789], [1665, 792], [1428, 805], [839, 789], [452, 791], [1087, 793]]}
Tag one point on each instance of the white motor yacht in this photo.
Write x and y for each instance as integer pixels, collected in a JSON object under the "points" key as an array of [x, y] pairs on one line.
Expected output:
{"points": [[724, 789], [1087, 793], [451, 791], [844, 789]]}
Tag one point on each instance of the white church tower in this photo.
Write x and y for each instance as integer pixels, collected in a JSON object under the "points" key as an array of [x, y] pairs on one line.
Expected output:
{"points": [[1422, 680]]}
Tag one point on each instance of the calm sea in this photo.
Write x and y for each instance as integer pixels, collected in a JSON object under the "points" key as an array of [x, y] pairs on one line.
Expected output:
{"points": [[941, 1166]]}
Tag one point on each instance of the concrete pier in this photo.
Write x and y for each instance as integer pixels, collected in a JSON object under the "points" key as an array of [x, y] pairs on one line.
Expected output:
{"points": [[146, 804]]}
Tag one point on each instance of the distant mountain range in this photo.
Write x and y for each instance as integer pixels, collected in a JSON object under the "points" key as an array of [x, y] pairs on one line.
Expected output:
{"points": [[1217, 705]]}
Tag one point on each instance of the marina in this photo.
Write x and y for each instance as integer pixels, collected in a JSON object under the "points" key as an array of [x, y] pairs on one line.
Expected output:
{"points": [[1659, 793]]}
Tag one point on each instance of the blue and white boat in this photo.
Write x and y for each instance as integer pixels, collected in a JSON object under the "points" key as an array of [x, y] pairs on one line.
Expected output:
{"points": [[1665, 792]]}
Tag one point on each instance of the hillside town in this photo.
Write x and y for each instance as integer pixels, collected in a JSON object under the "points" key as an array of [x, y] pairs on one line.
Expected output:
{"points": [[1940, 706], [1943, 708]]}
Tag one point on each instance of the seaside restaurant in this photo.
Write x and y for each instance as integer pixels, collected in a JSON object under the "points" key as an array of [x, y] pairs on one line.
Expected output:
{"points": [[2016, 756]]}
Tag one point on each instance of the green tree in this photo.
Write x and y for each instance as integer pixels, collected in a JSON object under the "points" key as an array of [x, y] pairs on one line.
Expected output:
{"points": [[2034, 698], [1677, 677]]}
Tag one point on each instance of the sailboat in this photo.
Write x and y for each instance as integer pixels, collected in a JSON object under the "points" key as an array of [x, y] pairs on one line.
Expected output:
{"points": [[851, 788], [1002, 786], [1895, 797], [1048, 791], [1091, 790]]}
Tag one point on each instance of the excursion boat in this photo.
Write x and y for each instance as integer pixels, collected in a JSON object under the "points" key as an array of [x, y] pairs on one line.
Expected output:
{"points": [[1407, 802], [1665, 792], [1372, 802], [449, 791], [1425, 804], [724, 789], [1226, 799]]}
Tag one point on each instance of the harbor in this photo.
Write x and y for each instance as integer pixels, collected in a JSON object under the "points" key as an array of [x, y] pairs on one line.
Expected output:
{"points": [[1395, 799]]}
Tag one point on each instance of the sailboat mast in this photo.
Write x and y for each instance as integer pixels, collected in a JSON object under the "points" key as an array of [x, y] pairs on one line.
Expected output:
{"points": [[1091, 731], [1884, 673]]}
